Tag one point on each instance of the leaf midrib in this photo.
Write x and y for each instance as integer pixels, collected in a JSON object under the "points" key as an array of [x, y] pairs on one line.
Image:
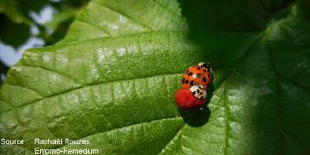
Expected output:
{"points": [[281, 131]]}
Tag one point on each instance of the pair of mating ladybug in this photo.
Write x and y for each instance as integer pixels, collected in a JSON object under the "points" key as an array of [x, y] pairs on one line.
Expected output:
{"points": [[195, 82]]}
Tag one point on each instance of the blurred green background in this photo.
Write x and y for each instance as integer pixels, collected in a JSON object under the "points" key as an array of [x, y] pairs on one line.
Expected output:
{"points": [[32, 23]]}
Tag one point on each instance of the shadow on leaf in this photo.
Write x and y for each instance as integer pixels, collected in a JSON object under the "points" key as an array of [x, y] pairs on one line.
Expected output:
{"points": [[198, 117]]}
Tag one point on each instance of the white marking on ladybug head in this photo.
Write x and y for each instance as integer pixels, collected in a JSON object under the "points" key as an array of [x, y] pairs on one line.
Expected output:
{"points": [[201, 64], [193, 88]]}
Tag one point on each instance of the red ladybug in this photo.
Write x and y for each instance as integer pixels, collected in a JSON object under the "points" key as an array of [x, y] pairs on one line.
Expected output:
{"points": [[197, 75], [186, 100], [194, 86]]}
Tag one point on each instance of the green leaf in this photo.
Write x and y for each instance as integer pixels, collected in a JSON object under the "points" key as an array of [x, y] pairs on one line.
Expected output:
{"points": [[112, 80], [61, 17]]}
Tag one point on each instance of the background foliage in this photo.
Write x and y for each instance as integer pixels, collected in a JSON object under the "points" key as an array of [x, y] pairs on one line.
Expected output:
{"points": [[18, 24], [16, 17], [111, 80]]}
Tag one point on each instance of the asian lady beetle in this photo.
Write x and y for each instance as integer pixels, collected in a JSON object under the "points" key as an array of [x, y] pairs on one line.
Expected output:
{"points": [[194, 86], [197, 75]]}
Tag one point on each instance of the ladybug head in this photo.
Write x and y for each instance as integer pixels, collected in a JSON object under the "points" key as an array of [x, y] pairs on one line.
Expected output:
{"points": [[199, 92], [205, 65]]}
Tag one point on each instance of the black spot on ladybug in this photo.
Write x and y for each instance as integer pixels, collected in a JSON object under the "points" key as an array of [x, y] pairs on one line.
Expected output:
{"points": [[191, 83], [204, 70], [204, 79], [186, 81], [190, 74], [198, 75], [209, 76], [198, 68], [183, 80]]}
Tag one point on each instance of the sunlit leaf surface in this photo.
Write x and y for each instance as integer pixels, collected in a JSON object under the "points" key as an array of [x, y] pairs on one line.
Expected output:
{"points": [[112, 80]]}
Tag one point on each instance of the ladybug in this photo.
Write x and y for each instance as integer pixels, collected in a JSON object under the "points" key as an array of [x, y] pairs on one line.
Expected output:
{"points": [[197, 75], [186, 100]]}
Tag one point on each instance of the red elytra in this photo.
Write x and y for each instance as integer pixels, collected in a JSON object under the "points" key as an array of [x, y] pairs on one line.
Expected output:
{"points": [[186, 100], [196, 75]]}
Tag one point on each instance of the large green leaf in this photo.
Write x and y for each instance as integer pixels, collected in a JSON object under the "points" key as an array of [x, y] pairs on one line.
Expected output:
{"points": [[112, 80]]}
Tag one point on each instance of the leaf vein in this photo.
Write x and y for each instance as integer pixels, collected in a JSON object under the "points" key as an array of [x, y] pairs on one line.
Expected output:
{"points": [[125, 15], [119, 128], [80, 87], [281, 130], [174, 137], [96, 26], [164, 7], [53, 71], [28, 88]]}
